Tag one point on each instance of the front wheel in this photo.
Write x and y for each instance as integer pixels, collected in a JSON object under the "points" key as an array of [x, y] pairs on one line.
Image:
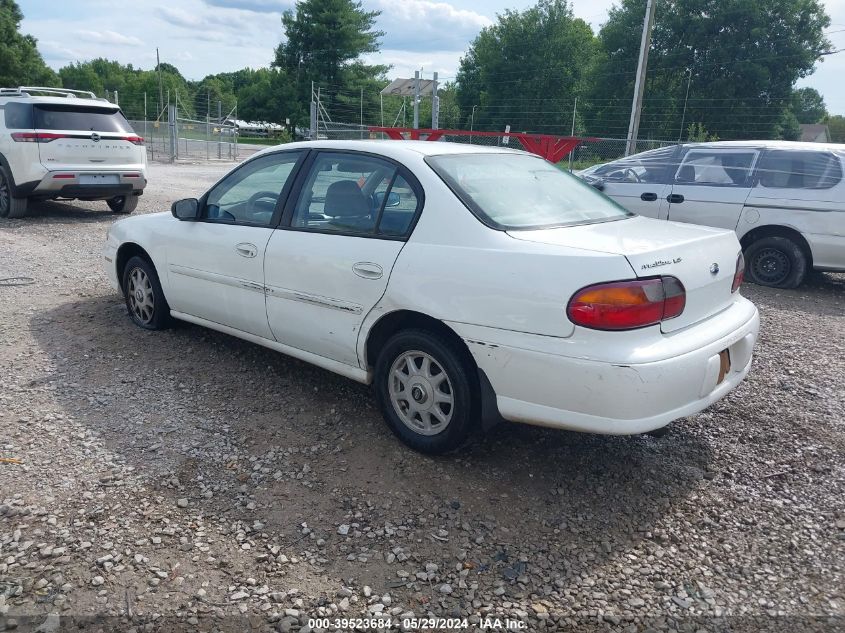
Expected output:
{"points": [[144, 296], [425, 387], [777, 262], [123, 204]]}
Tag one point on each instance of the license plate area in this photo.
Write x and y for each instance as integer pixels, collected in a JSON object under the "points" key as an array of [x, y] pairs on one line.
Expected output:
{"points": [[724, 365], [99, 179]]}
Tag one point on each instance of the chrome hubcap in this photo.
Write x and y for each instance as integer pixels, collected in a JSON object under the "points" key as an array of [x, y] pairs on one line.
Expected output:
{"points": [[421, 393], [140, 294]]}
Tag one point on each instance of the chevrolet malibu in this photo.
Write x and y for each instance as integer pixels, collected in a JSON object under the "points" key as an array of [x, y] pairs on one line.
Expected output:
{"points": [[465, 284]]}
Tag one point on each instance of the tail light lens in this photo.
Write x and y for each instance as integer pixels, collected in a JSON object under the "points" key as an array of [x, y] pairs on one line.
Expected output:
{"points": [[135, 140], [627, 305], [739, 273], [35, 137]]}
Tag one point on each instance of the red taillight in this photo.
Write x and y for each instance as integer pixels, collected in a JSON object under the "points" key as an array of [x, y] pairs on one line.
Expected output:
{"points": [[135, 140], [64, 176], [36, 137], [627, 305], [132, 175], [739, 273]]}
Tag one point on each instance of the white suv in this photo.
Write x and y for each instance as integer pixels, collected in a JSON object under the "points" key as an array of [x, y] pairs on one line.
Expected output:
{"points": [[57, 143], [784, 200]]}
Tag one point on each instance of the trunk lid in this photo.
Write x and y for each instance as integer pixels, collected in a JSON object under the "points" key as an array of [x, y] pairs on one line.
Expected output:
{"points": [[703, 258], [88, 138]]}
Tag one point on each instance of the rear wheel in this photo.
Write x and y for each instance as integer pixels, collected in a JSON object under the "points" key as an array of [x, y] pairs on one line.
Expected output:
{"points": [[777, 262], [144, 296], [123, 204], [10, 207], [425, 388]]}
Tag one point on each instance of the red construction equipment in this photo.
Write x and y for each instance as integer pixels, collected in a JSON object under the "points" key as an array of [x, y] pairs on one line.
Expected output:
{"points": [[551, 147]]}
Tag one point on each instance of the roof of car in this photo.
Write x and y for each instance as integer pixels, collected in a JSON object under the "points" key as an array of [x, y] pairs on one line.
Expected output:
{"points": [[798, 145], [397, 148], [54, 100]]}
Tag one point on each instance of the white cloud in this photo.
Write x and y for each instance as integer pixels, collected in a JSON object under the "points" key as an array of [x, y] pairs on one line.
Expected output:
{"points": [[260, 6], [423, 25], [109, 37]]}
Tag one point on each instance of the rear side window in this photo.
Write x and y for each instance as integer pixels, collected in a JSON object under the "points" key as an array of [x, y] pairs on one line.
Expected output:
{"points": [[715, 167], [18, 116], [784, 169], [67, 117]]}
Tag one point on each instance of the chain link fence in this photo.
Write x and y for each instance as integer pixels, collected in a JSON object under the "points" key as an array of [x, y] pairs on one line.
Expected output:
{"points": [[588, 153], [192, 140]]}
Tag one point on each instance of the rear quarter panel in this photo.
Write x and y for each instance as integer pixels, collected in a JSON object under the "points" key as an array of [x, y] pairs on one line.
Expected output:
{"points": [[456, 269]]}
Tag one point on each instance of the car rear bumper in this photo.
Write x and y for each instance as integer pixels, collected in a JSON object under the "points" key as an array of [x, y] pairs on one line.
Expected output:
{"points": [[70, 184], [549, 389]]}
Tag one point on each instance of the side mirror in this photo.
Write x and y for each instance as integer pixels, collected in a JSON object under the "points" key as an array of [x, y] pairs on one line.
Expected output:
{"points": [[393, 199], [185, 209], [598, 184]]}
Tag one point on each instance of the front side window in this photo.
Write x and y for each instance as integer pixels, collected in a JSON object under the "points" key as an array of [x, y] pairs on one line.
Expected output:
{"points": [[249, 194], [355, 194], [653, 166], [716, 167], [67, 117], [522, 191], [789, 169]]}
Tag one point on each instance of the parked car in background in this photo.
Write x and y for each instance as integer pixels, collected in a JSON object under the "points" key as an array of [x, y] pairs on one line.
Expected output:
{"points": [[464, 283], [67, 144], [786, 201]]}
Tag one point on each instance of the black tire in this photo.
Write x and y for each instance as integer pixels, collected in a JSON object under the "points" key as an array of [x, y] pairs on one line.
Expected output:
{"points": [[151, 310], [123, 204], [460, 384], [777, 262], [10, 207]]}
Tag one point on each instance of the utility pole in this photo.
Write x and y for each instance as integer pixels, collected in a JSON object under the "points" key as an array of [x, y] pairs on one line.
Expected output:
{"points": [[639, 84], [160, 85], [574, 110], [684, 115], [435, 105], [416, 99], [312, 125]]}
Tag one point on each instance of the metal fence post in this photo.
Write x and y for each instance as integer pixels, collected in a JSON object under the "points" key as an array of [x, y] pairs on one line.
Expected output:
{"points": [[220, 129], [171, 126]]}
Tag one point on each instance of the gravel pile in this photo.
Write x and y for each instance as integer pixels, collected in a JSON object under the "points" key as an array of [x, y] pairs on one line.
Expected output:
{"points": [[185, 480]]}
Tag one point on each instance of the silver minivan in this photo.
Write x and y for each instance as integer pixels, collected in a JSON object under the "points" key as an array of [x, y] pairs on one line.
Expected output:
{"points": [[785, 200]]}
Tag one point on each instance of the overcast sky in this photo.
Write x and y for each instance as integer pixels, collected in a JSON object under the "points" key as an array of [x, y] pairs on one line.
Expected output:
{"points": [[202, 37]]}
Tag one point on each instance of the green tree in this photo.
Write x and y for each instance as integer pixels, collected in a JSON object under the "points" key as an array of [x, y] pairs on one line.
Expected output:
{"points": [[20, 61], [836, 125], [808, 105], [324, 41], [527, 69], [742, 58]]}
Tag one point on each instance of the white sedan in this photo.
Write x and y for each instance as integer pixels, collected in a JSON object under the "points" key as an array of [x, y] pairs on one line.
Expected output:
{"points": [[466, 284]]}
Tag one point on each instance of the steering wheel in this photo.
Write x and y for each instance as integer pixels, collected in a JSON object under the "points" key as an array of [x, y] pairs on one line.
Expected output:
{"points": [[259, 195], [631, 175]]}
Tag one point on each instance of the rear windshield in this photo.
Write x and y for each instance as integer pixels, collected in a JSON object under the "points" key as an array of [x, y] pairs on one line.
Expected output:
{"points": [[521, 191], [68, 117]]}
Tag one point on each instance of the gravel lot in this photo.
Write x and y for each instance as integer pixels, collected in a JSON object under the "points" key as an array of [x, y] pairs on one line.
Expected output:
{"points": [[185, 480]]}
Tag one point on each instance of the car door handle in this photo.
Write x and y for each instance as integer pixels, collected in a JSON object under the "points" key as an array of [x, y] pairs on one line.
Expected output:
{"points": [[674, 198], [648, 197], [245, 249], [368, 270]]}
